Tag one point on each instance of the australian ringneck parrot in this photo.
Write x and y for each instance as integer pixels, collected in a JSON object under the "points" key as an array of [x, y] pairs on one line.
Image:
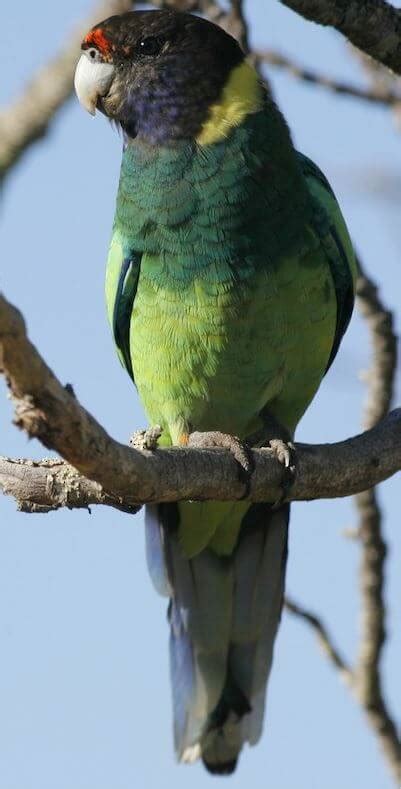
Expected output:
{"points": [[229, 285]]}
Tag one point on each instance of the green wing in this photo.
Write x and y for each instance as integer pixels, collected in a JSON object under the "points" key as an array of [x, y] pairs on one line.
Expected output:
{"points": [[338, 246], [122, 274]]}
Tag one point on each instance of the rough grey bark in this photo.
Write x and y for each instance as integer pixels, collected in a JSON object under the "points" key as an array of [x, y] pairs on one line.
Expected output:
{"points": [[373, 26]]}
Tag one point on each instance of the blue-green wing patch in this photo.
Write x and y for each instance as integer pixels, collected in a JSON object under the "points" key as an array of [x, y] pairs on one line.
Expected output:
{"points": [[123, 307], [344, 288], [336, 241], [122, 273]]}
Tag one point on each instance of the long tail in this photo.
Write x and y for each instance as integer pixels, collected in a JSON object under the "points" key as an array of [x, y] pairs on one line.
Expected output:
{"points": [[223, 614]]}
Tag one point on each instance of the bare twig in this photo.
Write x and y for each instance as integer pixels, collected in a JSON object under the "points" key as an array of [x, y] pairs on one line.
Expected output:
{"points": [[373, 616], [29, 117], [49, 484], [382, 81], [324, 638], [372, 571], [375, 708], [374, 26], [374, 95], [379, 76], [213, 10], [380, 378], [238, 24]]}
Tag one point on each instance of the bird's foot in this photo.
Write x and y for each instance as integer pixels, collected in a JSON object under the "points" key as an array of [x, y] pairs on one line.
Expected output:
{"points": [[238, 449], [146, 439], [276, 437]]}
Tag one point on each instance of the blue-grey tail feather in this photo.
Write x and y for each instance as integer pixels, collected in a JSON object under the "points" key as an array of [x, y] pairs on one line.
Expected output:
{"points": [[261, 555], [223, 613], [155, 551]]}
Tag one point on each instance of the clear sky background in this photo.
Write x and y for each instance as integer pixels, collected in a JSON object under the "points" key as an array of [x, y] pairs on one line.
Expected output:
{"points": [[84, 686]]}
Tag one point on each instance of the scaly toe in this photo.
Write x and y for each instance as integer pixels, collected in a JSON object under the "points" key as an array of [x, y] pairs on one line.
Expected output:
{"points": [[214, 438], [238, 449]]}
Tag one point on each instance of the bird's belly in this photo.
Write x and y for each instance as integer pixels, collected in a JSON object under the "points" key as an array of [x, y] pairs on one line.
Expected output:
{"points": [[211, 358], [196, 366]]}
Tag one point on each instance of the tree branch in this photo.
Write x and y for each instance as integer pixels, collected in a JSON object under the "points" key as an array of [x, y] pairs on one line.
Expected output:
{"points": [[48, 411], [50, 484], [373, 26]]}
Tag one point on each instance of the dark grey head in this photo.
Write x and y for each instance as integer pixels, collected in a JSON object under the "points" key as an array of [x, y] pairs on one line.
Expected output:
{"points": [[156, 73]]}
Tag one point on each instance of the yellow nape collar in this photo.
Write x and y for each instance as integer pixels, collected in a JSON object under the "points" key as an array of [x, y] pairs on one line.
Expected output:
{"points": [[242, 95]]}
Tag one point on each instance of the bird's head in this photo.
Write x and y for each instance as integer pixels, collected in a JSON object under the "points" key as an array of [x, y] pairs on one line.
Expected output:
{"points": [[164, 76]]}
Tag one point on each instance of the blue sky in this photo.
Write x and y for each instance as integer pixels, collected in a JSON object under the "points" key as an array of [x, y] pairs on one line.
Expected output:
{"points": [[84, 690]]}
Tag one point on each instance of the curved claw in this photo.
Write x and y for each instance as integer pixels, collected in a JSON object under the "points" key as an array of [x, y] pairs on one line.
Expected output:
{"points": [[285, 454]]}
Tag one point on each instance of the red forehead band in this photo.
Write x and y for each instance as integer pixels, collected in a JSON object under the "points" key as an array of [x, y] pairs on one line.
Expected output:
{"points": [[98, 39]]}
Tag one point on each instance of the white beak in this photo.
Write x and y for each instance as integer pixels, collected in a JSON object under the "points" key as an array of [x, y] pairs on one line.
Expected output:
{"points": [[92, 80]]}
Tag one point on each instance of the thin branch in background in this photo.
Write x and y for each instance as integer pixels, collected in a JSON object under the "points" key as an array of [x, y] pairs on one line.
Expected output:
{"points": [[381, 376], [238, 24], [373, 26], [324, 638], [212, 9], [209, 8], [381, 79], [373, 95], [380, 381]]}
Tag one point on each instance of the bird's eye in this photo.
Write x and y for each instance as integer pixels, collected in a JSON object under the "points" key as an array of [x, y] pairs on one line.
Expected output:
{"points": [[93, 54], [151, 45]]}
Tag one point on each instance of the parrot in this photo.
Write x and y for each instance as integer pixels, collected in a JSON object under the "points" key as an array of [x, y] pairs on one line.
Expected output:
{"points": [[230, 283]]}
